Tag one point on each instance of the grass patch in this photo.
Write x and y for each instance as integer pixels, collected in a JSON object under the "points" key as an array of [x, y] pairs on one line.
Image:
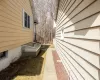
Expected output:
{"points": [[26, 68]]}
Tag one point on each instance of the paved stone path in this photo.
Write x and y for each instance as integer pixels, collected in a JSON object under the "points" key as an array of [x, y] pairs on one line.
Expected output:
{"points": [[60, 70]]}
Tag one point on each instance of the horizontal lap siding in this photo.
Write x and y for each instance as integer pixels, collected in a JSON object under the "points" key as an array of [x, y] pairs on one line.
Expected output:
{"points": [[80, 48], [12, 33]]}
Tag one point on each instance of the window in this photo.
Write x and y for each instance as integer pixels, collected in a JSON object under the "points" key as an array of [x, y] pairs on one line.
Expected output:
{"points": [[3, 54], [26, 20]]}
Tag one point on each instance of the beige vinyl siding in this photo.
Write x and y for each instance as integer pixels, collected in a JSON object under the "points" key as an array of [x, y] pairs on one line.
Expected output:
{"points": [[12, 33], [80, 48]]}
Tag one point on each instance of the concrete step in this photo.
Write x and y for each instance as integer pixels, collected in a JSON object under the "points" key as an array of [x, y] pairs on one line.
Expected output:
{"points": [[31, 49]]}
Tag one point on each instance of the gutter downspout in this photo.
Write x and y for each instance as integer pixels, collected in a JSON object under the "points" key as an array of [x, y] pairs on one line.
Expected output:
{"points": [[57, 9]]}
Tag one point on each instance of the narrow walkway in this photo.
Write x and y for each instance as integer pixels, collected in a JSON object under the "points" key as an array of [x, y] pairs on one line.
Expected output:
{"points": [[49, 70], [54, 69]]}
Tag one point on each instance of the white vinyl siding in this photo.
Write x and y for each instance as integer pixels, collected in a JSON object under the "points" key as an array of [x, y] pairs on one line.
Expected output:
{"points": [[79, 50]]}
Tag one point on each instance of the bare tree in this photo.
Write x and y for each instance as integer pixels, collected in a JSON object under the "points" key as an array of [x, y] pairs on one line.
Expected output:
{"points": [[45, 12]]}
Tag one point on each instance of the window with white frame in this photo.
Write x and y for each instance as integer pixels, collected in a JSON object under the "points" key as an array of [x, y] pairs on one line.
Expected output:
{"points": [[26, 20]]}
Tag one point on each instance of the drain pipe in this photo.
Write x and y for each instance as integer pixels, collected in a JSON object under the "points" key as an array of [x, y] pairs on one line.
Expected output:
{"points": [[58, 3], [35, 22]]}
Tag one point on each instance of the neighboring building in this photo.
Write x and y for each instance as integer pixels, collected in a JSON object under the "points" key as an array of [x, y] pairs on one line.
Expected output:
{"points": [[78, 38], [16, 29]]}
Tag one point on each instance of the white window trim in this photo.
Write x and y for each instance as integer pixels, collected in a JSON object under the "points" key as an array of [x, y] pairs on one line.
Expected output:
{"points": [[23, 17]]}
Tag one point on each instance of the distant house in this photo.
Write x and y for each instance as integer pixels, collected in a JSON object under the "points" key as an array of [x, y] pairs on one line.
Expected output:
{"points": [[16, 29], [78, 38]]}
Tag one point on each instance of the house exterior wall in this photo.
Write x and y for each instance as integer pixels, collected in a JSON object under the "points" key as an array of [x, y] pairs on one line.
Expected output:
{"points": [[12, 32], [12, 56], [77, 38]]}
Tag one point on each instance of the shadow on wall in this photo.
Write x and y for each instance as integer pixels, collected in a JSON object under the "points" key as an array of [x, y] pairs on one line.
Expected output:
{"points": [[85, 24], [80, 18]]}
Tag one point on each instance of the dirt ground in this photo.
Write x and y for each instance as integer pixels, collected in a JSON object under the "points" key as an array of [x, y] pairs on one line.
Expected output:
{"points": [[26, 68]]}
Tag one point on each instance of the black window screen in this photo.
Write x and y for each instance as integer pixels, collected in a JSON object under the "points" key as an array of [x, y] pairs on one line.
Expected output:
{"points": [[28, 21], [25, 19]]}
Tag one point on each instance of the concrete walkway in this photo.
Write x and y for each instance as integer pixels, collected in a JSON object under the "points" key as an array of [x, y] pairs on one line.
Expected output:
{"points": [[49, 70]]}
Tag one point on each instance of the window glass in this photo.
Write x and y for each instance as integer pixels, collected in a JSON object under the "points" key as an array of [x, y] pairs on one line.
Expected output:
{"points": [[3, 54], [26, 20]]}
